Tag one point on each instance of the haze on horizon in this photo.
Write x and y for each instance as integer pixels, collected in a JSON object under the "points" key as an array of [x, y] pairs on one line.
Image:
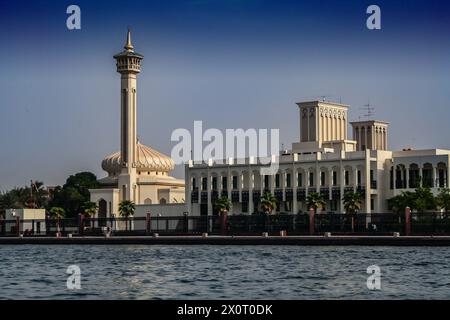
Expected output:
{"points": [[232, 64]]}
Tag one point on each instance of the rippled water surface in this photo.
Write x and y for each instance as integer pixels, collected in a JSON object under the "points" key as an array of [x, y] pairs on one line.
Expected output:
{"points": [[223, 272]]}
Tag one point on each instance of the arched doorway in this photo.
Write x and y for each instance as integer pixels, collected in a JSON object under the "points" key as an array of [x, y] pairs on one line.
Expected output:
{"points": [[102, 208]]}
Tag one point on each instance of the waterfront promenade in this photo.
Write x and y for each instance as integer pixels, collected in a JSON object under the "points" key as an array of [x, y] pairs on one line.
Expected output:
{"points": [[237, 240]]}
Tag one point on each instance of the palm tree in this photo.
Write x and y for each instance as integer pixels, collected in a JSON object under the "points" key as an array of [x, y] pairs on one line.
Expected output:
{"points": [[223, 205], [315, 201], [90, 209], [268, 202], [352, 203], [57, 213], [126, 209]]}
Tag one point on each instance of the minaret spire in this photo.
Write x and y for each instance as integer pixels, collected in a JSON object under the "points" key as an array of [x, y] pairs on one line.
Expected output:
{"points": [[128, 45]]}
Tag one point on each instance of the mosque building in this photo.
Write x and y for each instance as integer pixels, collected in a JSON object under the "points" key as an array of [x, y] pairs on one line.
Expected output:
{"points": [[137, 173]]}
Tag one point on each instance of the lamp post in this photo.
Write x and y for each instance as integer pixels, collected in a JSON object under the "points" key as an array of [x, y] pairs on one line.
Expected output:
{"points": [[159, 216], [17, 217]]}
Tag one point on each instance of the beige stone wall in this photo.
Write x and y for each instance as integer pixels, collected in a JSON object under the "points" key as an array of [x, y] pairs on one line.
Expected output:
{"points": [[322, 121]]}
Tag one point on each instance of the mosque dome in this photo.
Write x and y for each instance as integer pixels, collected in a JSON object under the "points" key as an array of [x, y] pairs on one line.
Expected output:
{"points": [[147, 159]]}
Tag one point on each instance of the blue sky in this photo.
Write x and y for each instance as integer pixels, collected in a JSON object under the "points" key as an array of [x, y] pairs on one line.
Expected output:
{"points": [[229, 63]]}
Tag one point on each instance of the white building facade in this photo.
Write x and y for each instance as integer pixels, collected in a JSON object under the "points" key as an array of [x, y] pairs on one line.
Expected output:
{"points": [[324, 161]]}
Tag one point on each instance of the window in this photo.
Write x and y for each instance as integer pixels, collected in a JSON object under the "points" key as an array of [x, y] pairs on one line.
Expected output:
{"points": [[277, 180], [214, 183], [311, 179], [347, 177], [299, 179], [224, 183], [266, 182], [288, 180], [334, 178], [372, 204], [322, 178], [334, 205], [359, 177], [204, 183], [194, 183], [235, 182], [244, 207]]}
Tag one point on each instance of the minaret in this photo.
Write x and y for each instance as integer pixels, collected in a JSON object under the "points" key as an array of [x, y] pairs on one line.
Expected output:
{"points": [[128, 65]]}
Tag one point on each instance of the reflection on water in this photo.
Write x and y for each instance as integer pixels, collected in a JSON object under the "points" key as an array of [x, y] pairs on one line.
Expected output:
{"points": [[223, 272]]}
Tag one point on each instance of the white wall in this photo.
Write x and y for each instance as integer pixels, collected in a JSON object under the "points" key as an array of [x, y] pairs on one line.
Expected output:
{"points": [[166, 210]]}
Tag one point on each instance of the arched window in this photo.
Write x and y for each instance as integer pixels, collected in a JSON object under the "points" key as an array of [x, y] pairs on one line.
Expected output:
{"points": [[162, 201], [148, 201]]}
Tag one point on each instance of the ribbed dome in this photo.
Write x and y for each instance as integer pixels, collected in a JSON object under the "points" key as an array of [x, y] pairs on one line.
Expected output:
{"points": [[148, 159]]}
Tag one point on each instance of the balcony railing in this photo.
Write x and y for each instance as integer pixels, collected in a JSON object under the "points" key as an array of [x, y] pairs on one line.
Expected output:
{"points": [[336, 192], [245, 195], [204, 197], [348, 189], [279, 194], [256, 195], [325, 192], [301, 194], [235, 196], [361, 190], [289, 194], [194, 196]]}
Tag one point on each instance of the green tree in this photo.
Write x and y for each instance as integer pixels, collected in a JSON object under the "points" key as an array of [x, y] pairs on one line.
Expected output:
{"points": [[425, 200], [399, 203], [315, 201], [443, 199], [223, 205], [126, 209], [420, 200], [268, 202], [73, 195], [352, 202]]}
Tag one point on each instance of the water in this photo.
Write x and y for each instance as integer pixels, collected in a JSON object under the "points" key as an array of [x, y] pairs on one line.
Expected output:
{"points": [[223, 272]]}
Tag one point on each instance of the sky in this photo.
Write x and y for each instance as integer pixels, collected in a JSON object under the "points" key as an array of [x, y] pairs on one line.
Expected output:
{"points": [[229, 63]]}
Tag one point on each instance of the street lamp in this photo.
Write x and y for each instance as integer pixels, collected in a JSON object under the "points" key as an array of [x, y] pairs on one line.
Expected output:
{"points": [[159, 216]]}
